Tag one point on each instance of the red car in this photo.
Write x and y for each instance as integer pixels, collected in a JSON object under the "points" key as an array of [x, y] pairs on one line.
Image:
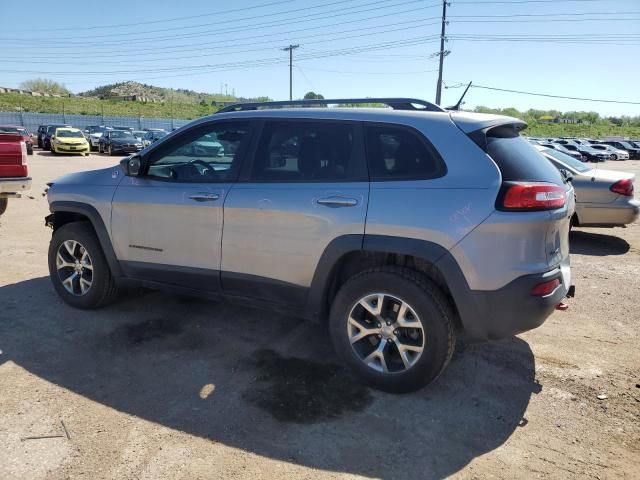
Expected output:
{"points": [[14, 174], [26, 136]]}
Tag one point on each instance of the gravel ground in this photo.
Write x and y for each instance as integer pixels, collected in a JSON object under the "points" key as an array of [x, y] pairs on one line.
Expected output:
{"points": [[171, 387]]}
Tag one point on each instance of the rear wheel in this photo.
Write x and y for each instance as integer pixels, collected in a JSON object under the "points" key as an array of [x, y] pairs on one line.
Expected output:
{"points": [[614, 156], [78, 268], [393, 328], [3, 205]]}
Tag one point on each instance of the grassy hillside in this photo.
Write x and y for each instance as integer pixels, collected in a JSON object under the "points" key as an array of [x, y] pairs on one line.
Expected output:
{"points": [[14, 102]]}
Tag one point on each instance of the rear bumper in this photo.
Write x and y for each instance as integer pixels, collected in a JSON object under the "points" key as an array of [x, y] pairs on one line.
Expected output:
{"points": [[14, 185], [512, 309], [621, 212]]}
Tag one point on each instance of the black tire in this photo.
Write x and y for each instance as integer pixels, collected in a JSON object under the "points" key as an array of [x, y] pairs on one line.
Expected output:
{"points": [[99, 148], [3, 205], [103, 289], [614, 157], [433, 310]]}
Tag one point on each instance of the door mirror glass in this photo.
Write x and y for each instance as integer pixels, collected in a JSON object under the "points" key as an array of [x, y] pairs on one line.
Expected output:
{"points": [[132, 166]]}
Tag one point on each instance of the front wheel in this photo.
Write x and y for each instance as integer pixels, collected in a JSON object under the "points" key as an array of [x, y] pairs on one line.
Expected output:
{"points": [[393, 328], [78, 268]]}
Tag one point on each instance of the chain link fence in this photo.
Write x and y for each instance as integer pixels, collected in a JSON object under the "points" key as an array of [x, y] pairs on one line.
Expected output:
{"points": [[32, 120]]}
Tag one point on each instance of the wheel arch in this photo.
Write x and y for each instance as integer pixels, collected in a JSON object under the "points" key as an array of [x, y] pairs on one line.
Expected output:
{"points": [[65, 212], [348, 255]]}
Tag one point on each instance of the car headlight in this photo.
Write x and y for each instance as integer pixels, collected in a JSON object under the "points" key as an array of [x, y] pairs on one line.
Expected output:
{"points": [[57, 142]]}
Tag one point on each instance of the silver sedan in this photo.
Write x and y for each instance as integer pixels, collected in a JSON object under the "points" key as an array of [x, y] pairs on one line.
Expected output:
{"points": [[604, 198]]}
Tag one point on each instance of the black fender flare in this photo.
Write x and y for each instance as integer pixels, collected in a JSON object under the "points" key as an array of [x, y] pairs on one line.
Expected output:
{"points": [[431, 252], [98, 226]]}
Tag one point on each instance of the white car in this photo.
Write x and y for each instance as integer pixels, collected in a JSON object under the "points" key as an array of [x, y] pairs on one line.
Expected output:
{"points": [[616, 154], [94, 134]]}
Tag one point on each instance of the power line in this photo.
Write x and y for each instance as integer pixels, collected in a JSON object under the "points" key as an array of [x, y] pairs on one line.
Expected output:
{"points": [[339, 12], [546, 94], [174, 19], [285, 36]]}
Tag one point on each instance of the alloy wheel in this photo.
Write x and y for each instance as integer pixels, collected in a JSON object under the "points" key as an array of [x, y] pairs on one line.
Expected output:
{"points": [[75, 268], [385, 333]]}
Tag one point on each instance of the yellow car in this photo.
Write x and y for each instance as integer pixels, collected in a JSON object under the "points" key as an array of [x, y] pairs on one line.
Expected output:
{"points": [[69, 140]]}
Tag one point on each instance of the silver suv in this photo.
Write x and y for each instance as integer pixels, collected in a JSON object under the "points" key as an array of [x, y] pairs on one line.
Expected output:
{"points": [[400, 227]]}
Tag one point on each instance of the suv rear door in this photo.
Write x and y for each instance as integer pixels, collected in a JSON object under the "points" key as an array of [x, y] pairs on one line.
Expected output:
{"points": [[307, 185], [167, 223]]}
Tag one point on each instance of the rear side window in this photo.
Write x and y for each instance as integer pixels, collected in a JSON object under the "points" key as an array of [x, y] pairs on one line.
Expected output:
{"points": [[305, 152], [399, 153], [518, 160]]}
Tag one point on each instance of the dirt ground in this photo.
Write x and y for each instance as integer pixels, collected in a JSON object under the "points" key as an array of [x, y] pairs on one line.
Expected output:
{"points": [[171, 387]]}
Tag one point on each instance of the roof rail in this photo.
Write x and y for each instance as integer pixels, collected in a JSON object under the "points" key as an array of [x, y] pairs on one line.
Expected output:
{"points": [[395, 103]]}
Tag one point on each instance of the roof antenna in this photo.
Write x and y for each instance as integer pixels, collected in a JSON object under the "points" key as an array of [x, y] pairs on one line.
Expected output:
{"points": [[457, 105]]}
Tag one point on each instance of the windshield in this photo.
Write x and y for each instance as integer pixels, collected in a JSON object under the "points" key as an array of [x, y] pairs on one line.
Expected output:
{"points": [[567, 160], [21, 131], [626, 145], [120, 134], [159, 134], [69, 134]]}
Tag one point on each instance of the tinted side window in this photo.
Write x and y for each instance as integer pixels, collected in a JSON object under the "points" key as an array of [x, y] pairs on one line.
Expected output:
{"points": [[305, 152], [205, 154], [400, 153], [518, 160]]}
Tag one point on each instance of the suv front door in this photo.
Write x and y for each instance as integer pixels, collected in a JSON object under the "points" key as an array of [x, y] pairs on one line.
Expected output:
{"points": [[307, 185], [166, 224]]}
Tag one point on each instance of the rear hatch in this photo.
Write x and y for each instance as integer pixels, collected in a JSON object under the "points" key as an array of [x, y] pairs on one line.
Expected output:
{"points": [[537, 199]]}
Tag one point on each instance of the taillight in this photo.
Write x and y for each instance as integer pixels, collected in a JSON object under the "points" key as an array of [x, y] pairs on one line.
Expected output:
{"points": [[533, 196], [623, 187], [545, 288], [23, 148]]}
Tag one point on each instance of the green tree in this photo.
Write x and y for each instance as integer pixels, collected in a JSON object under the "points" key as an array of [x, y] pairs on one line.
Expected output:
{"points": [[45, 85], [313, 96]]}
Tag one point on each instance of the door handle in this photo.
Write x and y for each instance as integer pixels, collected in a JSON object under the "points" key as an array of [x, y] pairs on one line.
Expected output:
{"points": [[335, 202], [204, 197]]}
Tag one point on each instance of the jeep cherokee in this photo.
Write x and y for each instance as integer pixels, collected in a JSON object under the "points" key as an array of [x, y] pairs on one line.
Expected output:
{"points": [[400, 227]]}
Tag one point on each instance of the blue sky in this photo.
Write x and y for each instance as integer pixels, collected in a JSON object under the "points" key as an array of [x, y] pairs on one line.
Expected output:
{"points": [[580, 48]]}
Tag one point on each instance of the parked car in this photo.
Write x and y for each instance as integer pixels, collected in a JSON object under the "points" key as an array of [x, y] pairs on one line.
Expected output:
{"points": [[139, 134], [95, 132], [153, 136], [26, 136], [116, 127], [119, 141], [561, 148], [604, 198], [46, 141], [634, 153], [69, 140], [14, 173], [591, 154], [42, 130], [615, 153], [394, 248]]}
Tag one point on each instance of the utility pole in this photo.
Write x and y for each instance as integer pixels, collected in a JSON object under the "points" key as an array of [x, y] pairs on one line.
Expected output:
{"points": [[442, 52], [290, 49]]}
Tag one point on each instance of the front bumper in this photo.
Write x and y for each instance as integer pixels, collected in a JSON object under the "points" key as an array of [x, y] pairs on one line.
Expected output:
{"points": [[14, 185], [62, 148], [123, 149]]}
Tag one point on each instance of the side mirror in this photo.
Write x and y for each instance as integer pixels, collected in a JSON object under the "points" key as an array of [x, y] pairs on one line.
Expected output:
{"points": [[131, 166]]}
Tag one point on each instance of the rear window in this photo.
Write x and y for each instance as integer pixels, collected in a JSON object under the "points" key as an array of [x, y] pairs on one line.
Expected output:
{"points": [[518, 160]]}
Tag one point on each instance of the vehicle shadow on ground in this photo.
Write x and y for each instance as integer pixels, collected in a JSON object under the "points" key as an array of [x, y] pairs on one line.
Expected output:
{"points": [[265, 383], [597, 244]]}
